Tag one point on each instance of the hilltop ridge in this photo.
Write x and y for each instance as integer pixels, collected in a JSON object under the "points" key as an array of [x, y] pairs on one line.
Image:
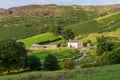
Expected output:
{"points": [[37, 10]]}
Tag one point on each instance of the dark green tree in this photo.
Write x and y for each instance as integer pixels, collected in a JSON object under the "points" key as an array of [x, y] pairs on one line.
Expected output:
{"points": [[34, 63], [104, 45], [67, 34], [12, 55], [51, 63], [114, 56], [57, 30], [89, 41]]}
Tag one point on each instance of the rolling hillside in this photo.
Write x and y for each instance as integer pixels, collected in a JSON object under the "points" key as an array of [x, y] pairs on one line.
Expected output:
{"points": [[106, 23], [25, 21]]}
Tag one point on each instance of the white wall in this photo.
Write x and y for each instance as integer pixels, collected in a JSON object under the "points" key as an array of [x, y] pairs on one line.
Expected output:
{"points": [[75, 45]]}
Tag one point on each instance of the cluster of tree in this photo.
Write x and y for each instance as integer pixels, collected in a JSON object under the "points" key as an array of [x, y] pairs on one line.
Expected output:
{"points": [[109, 50], [104, 44], [13, 56], [50, 63], [66, 34]]}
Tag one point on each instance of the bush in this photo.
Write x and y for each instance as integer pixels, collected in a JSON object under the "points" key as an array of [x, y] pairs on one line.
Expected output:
{"points": [[50, 63], [113, 57], [67, 64], [34, 63]]}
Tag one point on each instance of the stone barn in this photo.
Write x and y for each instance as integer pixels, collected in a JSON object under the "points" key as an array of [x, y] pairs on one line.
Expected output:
{"points": [[42, 47], [36, 47], [52, 46]]}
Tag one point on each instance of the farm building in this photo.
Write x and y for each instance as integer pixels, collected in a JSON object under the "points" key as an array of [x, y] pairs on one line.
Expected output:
{"points": [[52, 46], [76, 44], [42, 47], [36, 47]]}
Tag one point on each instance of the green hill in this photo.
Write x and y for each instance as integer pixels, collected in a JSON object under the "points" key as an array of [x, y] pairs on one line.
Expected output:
{"points": [[22, 27], [103, 24], [25, 21]]}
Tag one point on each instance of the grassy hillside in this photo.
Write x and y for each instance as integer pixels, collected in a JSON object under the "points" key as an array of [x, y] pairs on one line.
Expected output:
{"points": [[46, 37], [22, 27], [100, 73], [105, 73], [92, 36], [25, 21], [103, 24]]}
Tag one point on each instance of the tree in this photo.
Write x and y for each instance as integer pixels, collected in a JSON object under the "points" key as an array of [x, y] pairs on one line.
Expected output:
{"points": [[104, 45], [89, 41], [57, 30], [68, 34], [67, 64], [113, 57], [34, 63], [12, 55], [101, 45], [51, 63]]}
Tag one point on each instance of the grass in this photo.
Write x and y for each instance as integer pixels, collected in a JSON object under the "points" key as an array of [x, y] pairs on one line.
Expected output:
{"points": [[98, 25], [28, 25], [93, 36], [42, 38], [59, 53], [100, 73], [34, 21], [96, 73], [23, 27]]}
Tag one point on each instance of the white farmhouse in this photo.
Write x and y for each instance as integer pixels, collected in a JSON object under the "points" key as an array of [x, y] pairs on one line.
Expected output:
{"points": [[75, 44]]}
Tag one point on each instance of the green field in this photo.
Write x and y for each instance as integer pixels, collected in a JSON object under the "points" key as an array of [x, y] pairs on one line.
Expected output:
{"points": [[42, 38], [59, 53], [98, 73]]}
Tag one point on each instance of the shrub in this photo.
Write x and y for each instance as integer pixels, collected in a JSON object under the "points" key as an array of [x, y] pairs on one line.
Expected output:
{"points": [[50, 63], [113, 57], [34, 63], [67, 64]]}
